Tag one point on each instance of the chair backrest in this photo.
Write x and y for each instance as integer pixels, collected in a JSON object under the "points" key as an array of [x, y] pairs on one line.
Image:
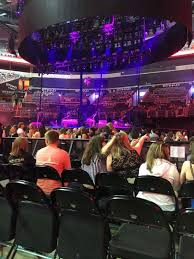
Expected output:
{"points": [[108, 184], [185, 222], [8, 218], [4, 173], [135, 210], [18, 191], [76, 163], [157, 185], [187, 190], [16, 172], [47, 172], [76, 176], [73, 199], [83, 236]]}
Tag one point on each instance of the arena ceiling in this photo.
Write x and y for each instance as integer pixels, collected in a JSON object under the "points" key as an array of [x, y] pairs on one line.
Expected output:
{"points": [[9, 22]]}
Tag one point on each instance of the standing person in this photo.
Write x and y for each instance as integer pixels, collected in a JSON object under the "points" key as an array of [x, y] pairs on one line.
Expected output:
{"points": [[54, 157], [92, 161], [20, 130], [157, 164]]}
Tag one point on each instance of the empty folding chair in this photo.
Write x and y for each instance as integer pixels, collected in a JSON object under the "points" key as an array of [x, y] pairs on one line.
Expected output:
{"points": [[144, 234], [76, 176], [157, 185], [185, 233], [186, 194], [83, 233], [36, 227], [109, 184]]}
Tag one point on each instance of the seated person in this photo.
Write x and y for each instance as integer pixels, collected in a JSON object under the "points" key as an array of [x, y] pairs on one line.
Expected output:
{"points": [[187, 171], [19, 154], [157, 164], [92, 161], [54, 157], [121, 156], [20, 157]]}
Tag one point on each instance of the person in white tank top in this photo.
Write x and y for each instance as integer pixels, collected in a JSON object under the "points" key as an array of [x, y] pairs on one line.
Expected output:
{"points": [[157, 164]]}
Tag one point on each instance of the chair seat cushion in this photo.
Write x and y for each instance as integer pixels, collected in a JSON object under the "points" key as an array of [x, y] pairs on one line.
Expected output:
{"points": [[135, 241], [187, 247]]}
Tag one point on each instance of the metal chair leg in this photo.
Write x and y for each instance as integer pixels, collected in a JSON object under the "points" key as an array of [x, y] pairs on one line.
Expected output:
{"points": [[13, 248]]}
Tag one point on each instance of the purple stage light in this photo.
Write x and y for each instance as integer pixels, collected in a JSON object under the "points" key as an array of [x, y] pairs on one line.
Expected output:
{"points": [[87, 81], [20, 7], [108, 28], [74, 36]]}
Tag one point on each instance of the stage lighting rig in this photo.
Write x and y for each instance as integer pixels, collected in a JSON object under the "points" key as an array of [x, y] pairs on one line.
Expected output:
{"points": [[91, 37]]}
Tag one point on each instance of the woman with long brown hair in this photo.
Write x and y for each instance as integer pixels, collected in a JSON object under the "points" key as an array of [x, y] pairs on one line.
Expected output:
{"points": [[92, 161], [158, 164], [19, 154]]}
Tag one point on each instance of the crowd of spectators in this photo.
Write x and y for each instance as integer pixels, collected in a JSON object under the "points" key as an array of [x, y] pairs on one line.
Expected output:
{"points": [[108, 150]]}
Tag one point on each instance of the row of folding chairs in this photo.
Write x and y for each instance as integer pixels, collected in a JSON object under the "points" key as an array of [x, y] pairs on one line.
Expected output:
{"points": [[71, 226], [106, 184]]}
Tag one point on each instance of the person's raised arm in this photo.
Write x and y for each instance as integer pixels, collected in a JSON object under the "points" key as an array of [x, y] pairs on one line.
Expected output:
{"points": [[139, 145], [105, 150]]}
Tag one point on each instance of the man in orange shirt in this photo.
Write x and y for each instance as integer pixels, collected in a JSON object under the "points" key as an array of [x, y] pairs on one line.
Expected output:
{"points": [[54, 157]]}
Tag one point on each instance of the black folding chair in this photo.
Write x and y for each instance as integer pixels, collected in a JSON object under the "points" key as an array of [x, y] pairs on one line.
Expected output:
{"points": [[4, 173], [157, 185], [80, 224], [109, 184], [20, 172], [145, 232], [47, 172], [76, 163], [185, 232], [16, 172], [76, 176], [37, 226], [8, 220], [186, 194]]}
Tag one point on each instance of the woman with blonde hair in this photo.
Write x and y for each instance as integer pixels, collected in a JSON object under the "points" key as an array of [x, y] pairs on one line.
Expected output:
{"points": [[187, 171], [158, 164], [121, 156], [19, 154]]}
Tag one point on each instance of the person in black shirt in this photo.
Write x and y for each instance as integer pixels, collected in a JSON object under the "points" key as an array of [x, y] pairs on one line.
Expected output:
{"points": [[19, 154]]}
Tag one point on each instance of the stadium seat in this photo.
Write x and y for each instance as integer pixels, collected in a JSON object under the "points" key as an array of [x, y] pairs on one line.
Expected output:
{"points": [[8, 220], [47, 172], [185, 232], [78, 177], [109, 184], [186, 193], [144, 232], [157, 185], [83, 233], [37, 225]]}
